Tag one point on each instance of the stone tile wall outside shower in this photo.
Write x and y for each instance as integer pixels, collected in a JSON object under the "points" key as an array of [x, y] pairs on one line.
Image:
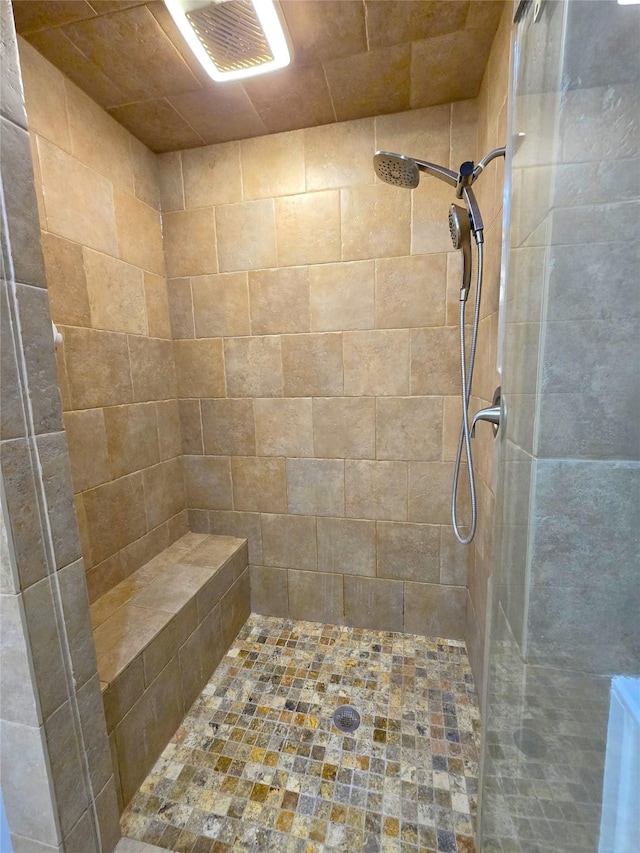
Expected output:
{"points": [[314, 314], [97, 192]]}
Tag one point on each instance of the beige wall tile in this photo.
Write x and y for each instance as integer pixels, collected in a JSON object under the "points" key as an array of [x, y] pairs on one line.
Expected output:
{"points": [[409, 428], [181, 308], [347, 546], [164, 491], [430, 492], [342, 296], [456, 560], [97, 368], [244, 525], [88, 451], [464, 132], [339, 155], [190, 242], [211, 176], [87, 123], [411, 291], [115, 515], [170, 180], [157, 302], [408, 551], [246, 236], [376, 490], [315, 486], [116, 294], [69, 186], [229, 427], [146, 184], [191, 426], [152, 369], [66, 281], [308, 228], [316, 596], [273, 165], [200, 367], [284, 427], [430, 218], [45, 96], [139, 233], [376, 222], [435, 610], [253, 367], [279, 300], [259, 484], [344, 427], [221, 305], [376, 363], [452, 412], [269, 591], [417, 133], [208, 482], [289, 540], [373, 603], [132, 437], [312, 364], [435, 361], [169, 437]]}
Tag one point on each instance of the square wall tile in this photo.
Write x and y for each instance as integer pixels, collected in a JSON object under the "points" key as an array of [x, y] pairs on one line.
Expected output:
{"points": [[376, 490], [211, 176], [408, 551], [376, 363], [435, 360], [344, 427], [228, 427], [279, 300], [435, 610], [220, 305], [315, 486], [339, 155], [208, 482], [200, 367], [342, 296], [373, 603], [289, 541], [190, 242], [253, 366], [259, 484], [411, 291], [347, 546], [246, 235], [308, 228], [376, 222], [273, 165], [284, 426], [269, 590], [317, 596], [409, 428], [312, 365]]}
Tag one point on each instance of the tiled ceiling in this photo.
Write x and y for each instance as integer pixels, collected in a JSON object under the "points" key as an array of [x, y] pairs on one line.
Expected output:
{"points": [[352, 59]]}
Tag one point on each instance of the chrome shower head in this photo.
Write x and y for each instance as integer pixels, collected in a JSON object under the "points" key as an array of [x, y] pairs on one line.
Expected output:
{"points": [[396, 169], [460, 230]]}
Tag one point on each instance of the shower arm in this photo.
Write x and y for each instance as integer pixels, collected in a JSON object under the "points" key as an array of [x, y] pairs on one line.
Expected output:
{"points": [[436, 171], [488, 158]]}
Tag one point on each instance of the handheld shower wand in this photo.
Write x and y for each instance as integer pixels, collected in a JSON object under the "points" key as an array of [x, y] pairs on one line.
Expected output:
{"points": [[402, 171]]}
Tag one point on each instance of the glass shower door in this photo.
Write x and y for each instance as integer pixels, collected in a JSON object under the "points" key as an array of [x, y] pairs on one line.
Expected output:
{"points": [[565, 591]]}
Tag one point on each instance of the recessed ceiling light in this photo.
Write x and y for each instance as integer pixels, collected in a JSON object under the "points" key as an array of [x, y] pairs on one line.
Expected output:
{"points": [[233, 39]]}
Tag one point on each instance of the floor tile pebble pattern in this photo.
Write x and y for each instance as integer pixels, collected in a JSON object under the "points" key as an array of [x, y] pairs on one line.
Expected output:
{"points": [[257, 764]]}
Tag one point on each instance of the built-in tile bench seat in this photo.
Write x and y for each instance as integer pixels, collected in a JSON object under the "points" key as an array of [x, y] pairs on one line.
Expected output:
{"points": [[159, 635]]}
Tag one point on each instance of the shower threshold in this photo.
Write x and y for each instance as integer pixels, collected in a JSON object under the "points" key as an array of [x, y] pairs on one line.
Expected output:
{"points": [[257, 764]]}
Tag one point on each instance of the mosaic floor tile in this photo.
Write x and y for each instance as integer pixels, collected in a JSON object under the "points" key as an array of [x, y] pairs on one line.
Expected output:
{"points": [[257, 764]]}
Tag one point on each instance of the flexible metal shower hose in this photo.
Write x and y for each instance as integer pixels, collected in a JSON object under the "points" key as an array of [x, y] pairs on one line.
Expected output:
{"points": [[466, 378]]}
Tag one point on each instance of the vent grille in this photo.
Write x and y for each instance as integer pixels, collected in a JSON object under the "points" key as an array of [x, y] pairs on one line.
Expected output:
{"points": [[231, 34]]}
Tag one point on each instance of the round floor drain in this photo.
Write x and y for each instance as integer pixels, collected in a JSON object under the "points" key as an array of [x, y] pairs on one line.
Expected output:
{"points": [[346, 718], [529, 742]]}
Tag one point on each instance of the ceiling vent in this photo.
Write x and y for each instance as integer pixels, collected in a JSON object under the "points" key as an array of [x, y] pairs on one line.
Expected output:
{"points": [[233, 39]]}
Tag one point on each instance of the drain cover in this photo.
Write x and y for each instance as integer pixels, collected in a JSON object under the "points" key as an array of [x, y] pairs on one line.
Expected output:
{"points": [[346, 718], [529, 742]]}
